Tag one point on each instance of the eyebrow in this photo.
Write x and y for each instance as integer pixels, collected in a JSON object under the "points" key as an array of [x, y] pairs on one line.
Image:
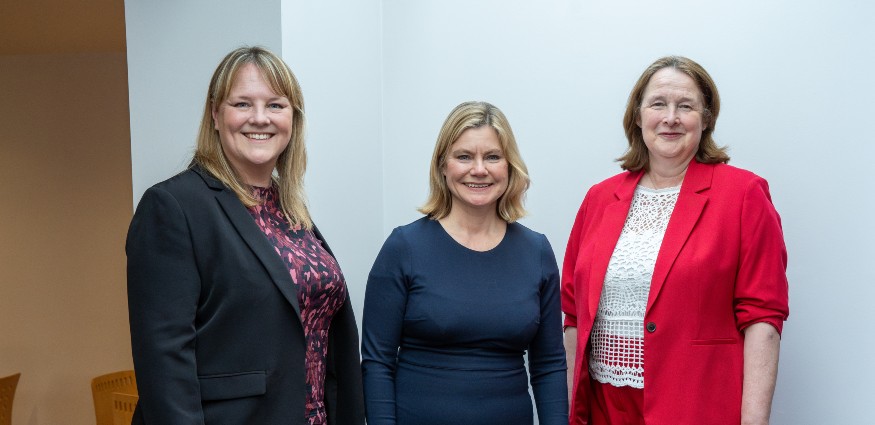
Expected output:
{"points": [[270, 99], [662, 96], [466, 151]]}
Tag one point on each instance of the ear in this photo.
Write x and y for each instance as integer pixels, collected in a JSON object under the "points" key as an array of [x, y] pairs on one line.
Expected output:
{"points": [[214, 112]]}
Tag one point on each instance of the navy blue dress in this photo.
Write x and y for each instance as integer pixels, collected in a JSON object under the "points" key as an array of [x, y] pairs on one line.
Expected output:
{"points": [[445, 330]]}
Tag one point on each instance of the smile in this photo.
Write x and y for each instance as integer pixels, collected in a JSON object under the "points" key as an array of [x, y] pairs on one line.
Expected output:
{"points": [[258, 136], [478, 186]]}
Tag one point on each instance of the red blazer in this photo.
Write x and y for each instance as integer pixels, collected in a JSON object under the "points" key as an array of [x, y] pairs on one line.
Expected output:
{"points": [[721, 268]]}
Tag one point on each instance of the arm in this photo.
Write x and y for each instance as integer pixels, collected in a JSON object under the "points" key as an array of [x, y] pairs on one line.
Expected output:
{"points": [[761, 346], [578, 413], [570, 355], [163, 292], [546, 354], [761, 297], [382, 321]]}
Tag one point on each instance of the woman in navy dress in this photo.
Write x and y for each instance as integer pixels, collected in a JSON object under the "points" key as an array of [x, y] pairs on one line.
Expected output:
{"points": [[458, 298]]}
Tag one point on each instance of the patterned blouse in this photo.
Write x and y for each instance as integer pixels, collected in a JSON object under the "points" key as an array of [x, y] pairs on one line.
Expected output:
{"points": [[320, 286]]}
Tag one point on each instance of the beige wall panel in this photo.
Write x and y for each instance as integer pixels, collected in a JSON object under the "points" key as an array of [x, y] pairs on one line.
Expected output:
{"points": [[65, 203]]}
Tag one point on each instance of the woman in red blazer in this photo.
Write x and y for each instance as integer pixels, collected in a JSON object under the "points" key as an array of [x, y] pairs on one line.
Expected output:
{"points": [[674, 284], [239, 312]]}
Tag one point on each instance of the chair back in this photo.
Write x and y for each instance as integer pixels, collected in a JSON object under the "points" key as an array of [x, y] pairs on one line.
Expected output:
{"points": [[123, 406], [102, 388], [7, 394]]}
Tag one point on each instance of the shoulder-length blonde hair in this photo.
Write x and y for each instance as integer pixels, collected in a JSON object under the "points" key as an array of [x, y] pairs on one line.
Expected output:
{"points": [[636, 157], [473, 115], [292, 162]]}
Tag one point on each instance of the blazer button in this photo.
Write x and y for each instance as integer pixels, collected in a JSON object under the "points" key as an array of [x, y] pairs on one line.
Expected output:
{"points": [[651, 327]]}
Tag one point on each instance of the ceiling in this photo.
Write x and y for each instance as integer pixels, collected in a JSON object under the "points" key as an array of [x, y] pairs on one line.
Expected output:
{"points": [[61, 26]]}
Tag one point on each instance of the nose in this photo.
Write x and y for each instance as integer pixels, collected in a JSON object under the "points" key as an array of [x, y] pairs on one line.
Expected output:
{"points": [[478, 168], [671, 115], [259, 116]]}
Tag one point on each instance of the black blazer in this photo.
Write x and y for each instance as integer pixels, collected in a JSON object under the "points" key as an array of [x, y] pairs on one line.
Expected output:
{"points": [[216, 332]]}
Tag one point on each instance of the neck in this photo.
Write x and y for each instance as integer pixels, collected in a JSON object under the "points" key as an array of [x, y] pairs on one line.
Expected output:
{"points": [[480, 232], [661, 176], [257, 177]]}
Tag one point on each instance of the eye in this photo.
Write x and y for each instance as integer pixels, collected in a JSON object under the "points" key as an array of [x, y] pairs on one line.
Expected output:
{"points": [[463, 157], [241, 105], [657, 105], [493, 157], [685, 107], [276, 106]]}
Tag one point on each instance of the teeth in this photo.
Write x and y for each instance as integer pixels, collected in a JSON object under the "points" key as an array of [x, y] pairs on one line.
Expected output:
{"points": [[477, 186], [258, 136]]}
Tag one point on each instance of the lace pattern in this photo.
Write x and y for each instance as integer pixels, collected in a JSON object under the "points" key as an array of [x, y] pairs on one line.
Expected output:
{"points": [[617, 337]]}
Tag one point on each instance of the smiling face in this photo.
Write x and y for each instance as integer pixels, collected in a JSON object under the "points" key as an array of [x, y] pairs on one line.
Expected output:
{"points": [[671, 118], [476, 170], [254, 125]]}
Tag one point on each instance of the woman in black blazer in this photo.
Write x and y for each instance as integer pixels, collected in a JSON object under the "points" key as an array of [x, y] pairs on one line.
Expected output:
{"points": [[239, 312]]}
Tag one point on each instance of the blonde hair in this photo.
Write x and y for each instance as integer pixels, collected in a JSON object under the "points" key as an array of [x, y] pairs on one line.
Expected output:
{"points": [[473, 115], [637, 156], [292, 162]]}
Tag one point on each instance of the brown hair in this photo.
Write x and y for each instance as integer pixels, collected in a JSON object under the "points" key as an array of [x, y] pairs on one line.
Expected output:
{"points": [[292, 162], [463, 117], [637, 156]]}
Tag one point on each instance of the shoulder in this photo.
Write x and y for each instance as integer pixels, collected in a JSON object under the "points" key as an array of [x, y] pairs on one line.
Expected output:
{"points": [[733, 179], [616, 179], [192, 186], [187, 181], [524, 238], [188, 193], [402, 237], [608, 187], [728, 171], [415, 229], [599, 195], [523, 233]]}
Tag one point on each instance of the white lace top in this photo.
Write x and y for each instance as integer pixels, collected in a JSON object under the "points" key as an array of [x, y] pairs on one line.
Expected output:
{"points": [[617, 338]]}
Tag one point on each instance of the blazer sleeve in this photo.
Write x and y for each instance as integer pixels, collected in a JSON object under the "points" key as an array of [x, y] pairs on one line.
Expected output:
{"points": [[580, 394], [163, 293], [547, 366], [385, 305], [761, 289], [568, 288]]}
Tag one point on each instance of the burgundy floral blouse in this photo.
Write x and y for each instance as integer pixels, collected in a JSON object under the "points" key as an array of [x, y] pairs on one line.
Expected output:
{"points": [[320, 286]]}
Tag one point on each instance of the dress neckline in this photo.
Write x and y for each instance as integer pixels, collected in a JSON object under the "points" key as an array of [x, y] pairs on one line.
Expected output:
{"points": [[457, 243]]}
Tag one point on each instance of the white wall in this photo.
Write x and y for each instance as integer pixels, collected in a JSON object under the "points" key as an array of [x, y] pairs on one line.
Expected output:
{"points": [[334, 49], [173, 48], [797, 101], [379, 77]]}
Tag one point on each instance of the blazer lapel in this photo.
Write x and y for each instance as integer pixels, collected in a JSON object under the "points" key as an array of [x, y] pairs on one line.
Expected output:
{"points": [[254, 238], [608, 234], [687, 211]]}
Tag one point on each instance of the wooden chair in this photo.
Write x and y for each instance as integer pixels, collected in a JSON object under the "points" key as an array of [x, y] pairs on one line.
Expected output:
{"points": [[7, 394], [102, 388], [123, 408]]}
